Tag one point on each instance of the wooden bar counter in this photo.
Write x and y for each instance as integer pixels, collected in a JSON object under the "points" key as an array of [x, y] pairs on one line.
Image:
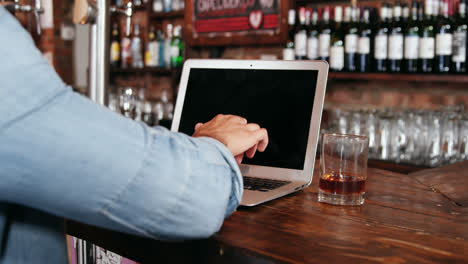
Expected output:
{"points": [[408, 217]]}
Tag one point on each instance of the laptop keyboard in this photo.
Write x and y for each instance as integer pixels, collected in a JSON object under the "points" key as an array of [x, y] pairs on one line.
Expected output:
{"points": [[262, 185]]}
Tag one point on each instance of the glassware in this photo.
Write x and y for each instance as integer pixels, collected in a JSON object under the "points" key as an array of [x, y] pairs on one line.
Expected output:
{"points": [[128, 102], [433, 149], [449, 137], [463, 138], [343, 169]]}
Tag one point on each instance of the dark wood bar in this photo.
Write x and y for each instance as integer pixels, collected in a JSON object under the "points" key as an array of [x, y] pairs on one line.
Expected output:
{"points": [[420, 216]]}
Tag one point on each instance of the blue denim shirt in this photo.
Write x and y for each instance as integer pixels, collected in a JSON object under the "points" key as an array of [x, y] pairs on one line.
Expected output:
{"points": [[62, 156]]}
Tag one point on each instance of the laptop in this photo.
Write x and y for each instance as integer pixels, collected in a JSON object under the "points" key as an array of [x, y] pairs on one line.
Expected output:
{"points": [[285, 97]]}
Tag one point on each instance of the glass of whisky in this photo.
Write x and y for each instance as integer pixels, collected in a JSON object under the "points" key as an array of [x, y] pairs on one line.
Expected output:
{"points": [[343, 169]]}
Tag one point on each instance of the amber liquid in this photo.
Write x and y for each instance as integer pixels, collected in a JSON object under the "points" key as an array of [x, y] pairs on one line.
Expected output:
{"points": [[341, 184]]}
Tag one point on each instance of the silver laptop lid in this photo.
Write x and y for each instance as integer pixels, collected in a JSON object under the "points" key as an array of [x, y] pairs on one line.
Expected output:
{"points": [[285, 97]]}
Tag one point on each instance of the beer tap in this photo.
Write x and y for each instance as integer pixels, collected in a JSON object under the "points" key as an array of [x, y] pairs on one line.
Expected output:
{"points": [[127, 11], [15, 6], [97, 13]]}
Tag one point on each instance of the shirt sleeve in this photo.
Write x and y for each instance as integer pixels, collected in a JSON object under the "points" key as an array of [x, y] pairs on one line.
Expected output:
{"points": [[65, 155]]}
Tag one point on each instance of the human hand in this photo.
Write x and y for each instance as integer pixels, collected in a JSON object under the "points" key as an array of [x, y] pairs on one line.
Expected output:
{"points": [[236, 134]]}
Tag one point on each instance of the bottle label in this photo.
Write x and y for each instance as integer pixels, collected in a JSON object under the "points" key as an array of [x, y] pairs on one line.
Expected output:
{"points": [[312, 48], [174, 51], [152, 54], [351, 43], [336, 58], [459, 46], [444, 44], [395, 47], [380, 50], [126, 48], [324, 45], [411, 47], [300, 43], [288, 54], [364, 45], [426, 48], [115, 51]]}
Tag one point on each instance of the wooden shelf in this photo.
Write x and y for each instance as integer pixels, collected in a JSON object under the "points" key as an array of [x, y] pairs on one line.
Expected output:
{"points": [[449, 78], [154, 70], [165, 15], [139, 8]]}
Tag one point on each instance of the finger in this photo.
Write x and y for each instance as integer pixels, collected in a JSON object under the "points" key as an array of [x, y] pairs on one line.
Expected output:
{"points": [[239, 158], [250, 153], [198, 125], [262, 139], [253, 127]]}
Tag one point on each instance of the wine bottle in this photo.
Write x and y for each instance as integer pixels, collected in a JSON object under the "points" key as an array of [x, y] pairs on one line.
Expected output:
{"points": [[115, 46], [300, 36], [395, 41], [126, 53], [325, 35], [459, 40], [364, 43], [444, 38], [351, 41], [381, 41], [405, 11], [337, 43], [313, 37], [427, 39], [288, 49], [412, 41]]}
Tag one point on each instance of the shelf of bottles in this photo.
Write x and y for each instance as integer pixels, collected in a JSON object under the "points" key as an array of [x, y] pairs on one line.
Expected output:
{"points": [[162, 53], [398, 41]]}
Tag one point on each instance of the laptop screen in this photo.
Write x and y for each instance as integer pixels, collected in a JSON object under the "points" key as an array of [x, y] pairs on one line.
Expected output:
{"points": [[279, 100]]}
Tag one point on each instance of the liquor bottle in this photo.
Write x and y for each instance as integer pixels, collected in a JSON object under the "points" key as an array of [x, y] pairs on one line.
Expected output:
{"points": [[300, 36], [313, 37], [381, 41], [444, 39], [412, 40], [288, 50], [364, 43], [136, 48], [115, 46], [405, 11], [395, 41], [337, 43], [126, 50], [427, 40], [459, 40], [177, 47], [347, 16], [325, 35], [160, 39], [167, 5], [351, 41], [158, 6], [152, 49], [167, 46]]}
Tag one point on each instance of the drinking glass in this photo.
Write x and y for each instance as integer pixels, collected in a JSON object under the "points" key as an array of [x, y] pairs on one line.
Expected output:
{"points": [[128, 102], [343, 169], [449, 137], [463, 138], [433, 151]]}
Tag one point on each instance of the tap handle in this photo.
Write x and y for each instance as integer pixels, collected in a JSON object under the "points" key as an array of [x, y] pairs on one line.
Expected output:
{"points": [[38, 22]]}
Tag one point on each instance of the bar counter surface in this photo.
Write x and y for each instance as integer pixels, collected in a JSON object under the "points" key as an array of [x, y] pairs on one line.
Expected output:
{"points": [[410, 216]]}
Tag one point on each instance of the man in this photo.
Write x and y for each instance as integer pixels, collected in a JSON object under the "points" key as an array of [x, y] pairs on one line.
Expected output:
{"points": [[61, 156]]}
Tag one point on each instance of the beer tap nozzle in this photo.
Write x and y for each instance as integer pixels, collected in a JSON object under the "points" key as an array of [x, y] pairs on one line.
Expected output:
{"points": [[127, 11]]}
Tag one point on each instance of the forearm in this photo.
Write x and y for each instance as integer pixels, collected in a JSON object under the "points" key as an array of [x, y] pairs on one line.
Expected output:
{"points": [[65, 155]]}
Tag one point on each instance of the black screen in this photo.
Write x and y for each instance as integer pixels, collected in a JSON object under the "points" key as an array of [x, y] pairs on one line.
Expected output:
{"points": [[279, 100]]}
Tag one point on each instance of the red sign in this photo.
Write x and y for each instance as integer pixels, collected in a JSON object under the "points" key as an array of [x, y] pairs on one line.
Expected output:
{"points": [[236, 15]]}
